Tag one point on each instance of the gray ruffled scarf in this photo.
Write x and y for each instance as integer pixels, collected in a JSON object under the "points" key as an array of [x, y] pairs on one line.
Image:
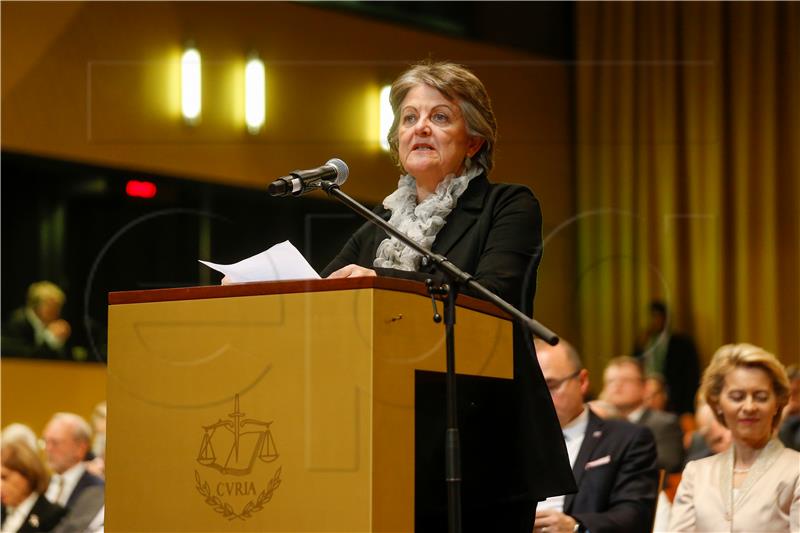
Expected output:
{"points": [[421, 222]]}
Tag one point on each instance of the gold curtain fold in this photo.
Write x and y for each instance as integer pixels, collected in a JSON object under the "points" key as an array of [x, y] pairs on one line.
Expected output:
{"points": [[688, 173]]}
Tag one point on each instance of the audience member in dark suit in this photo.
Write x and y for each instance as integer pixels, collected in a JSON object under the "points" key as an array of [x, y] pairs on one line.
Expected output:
{"points": [[24, 479], [87, 512], [67, 441], [671, 355], [37, 330], [789, 431], [624, 389], [614, 461], [655, 392], [710, 437]]}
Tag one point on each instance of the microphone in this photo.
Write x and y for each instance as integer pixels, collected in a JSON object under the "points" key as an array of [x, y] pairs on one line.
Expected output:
{"points": [[302, 181]]}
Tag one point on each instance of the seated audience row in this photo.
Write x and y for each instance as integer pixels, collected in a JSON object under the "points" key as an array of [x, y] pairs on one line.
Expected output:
{"points": [[69, 500], [614, 461], [739, 476], [24, 481]]}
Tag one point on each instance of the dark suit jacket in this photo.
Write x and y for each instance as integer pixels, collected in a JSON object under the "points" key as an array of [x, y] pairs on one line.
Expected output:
{"points": [[19, 339], [513, 450], [669, 438], [83, 510], [681, 372], [618, 491], [44, 516], [789, 432], [87, 480]]}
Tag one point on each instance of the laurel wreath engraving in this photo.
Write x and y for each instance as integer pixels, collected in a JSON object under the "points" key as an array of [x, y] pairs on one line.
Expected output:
{"points": [[226, 510]]}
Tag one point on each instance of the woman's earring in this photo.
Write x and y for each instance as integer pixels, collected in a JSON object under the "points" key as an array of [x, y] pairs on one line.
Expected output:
{"points": [[467, 162]]}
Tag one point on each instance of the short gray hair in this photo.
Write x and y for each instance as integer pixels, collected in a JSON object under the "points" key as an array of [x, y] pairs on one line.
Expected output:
{"points": [[81, 431], [455, 82]]}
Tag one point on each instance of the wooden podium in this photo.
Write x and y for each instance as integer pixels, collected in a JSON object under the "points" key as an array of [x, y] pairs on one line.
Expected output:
{"points": [[277, 407]]}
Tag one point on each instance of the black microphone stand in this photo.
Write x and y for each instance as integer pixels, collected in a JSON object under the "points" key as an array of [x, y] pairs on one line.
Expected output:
{"points": [[455, 279]]}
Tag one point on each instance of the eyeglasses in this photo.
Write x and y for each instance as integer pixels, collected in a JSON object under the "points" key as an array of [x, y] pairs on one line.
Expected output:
{"points": [[555, 384]]}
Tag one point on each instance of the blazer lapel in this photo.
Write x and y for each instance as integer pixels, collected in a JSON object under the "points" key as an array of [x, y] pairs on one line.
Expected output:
{"points": [[592, 437], [79, 486], [463, 216]]}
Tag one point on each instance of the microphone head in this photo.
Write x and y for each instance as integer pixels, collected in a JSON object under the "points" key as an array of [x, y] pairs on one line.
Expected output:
{"points": [[341, 170]]}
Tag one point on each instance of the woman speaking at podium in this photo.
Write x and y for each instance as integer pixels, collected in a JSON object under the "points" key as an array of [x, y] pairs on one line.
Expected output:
{"points": [[443, 140]]}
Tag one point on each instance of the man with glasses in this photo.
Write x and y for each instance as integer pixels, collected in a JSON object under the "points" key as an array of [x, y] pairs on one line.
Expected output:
{"points": [[613, 461], [624, 388]]}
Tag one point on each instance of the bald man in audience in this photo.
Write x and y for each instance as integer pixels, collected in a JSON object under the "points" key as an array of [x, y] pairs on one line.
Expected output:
{"points": [[710, 438], [67, 439], [613, 461], [624, 388]]}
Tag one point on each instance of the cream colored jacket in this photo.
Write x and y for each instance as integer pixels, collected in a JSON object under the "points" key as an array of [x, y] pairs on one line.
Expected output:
{"points": [[768, 500]]}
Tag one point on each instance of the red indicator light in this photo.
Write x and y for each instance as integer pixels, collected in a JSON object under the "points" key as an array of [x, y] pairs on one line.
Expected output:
{"points": [[140, 189]]}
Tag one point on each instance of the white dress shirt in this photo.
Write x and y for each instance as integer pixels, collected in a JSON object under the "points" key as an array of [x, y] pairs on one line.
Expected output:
{"points": [[636, 415], [41, 334], [16, 517], [70, 478], [573, 438]]}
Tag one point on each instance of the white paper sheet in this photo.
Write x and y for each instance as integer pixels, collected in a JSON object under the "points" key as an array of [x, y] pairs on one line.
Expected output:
{"points": [[281, 262]]}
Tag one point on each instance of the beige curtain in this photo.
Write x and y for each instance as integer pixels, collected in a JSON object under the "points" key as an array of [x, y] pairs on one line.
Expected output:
{"points": [[688, 173]]}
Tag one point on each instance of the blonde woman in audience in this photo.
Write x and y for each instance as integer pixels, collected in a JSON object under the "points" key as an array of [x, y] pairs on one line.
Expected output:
{"points": [[754, 486], [24, 480]]}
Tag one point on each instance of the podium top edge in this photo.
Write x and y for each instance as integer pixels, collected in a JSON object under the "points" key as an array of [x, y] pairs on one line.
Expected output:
{"points": [[261, 288]]}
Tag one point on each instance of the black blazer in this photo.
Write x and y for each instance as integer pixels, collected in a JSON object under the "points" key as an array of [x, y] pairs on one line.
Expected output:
{"points": [[493, 233], [667, 431], [681, 372], [618, 490], [44, 516], [19, 339], [512, 447]]}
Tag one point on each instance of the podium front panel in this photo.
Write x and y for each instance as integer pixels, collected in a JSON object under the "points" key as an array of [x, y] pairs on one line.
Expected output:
{"points": [[275, 413]]}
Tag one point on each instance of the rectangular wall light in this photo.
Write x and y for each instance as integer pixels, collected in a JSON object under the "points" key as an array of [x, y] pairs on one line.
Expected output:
{"points": [[387, 116], [254, 95], [191, 85]]}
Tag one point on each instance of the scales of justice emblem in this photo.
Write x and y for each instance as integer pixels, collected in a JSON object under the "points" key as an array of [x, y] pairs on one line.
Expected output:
{"points": [[241, 443], [242, 440]]}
